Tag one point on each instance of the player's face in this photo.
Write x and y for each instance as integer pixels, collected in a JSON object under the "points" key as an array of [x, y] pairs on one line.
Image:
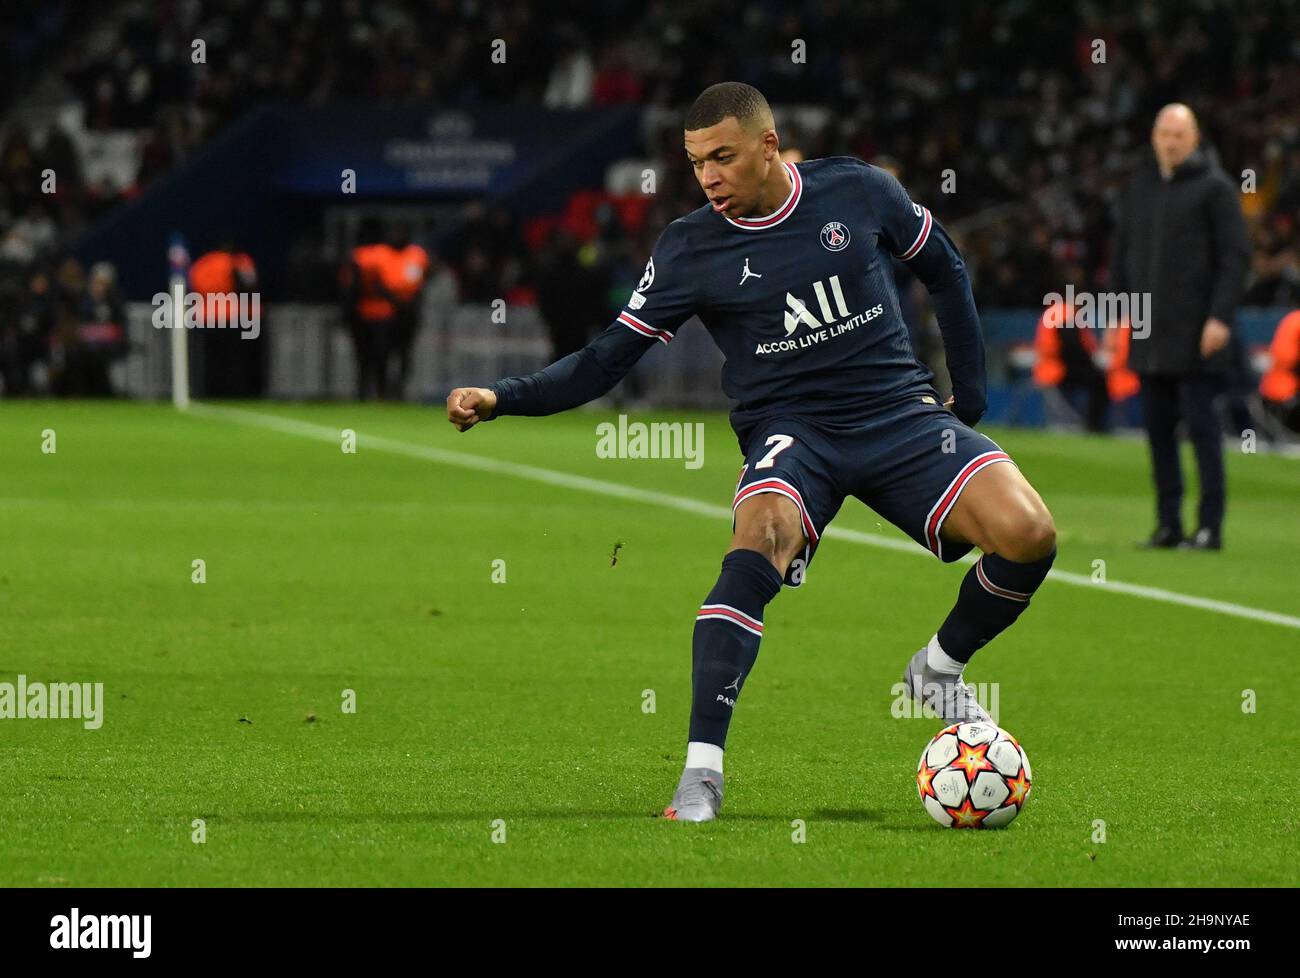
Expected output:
{"points": [[1173, 138], [731, 164]]}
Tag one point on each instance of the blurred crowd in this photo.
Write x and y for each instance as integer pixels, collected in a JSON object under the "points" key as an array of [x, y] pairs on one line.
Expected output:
{"points": [[1038, 110]]}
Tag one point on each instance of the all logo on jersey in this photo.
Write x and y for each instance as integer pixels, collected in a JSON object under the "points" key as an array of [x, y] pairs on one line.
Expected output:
{"points": [[835, 236], [796, 312], [835, 318], [746, 274]]}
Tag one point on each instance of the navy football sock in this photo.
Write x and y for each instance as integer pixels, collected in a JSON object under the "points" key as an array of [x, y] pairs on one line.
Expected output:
{"points": [[992, 596], [725, 644]]}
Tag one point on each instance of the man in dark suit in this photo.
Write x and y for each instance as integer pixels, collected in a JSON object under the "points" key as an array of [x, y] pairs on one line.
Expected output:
{"points": [[1182, 240]]}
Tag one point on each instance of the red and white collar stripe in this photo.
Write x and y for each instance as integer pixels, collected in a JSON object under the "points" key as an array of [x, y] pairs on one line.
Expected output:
{"points": [[778, 215]]}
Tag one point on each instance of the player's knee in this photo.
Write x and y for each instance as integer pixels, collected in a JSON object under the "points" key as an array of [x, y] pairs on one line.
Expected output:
{"points": [[769, 530], [1029, 536]]}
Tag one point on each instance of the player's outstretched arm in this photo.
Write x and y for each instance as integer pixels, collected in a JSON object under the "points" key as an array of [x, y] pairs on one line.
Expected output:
{"points": [[663, 300], [569, 382], [467, 406]]}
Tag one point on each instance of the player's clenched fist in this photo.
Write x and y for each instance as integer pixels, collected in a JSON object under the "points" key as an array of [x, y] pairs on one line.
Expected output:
{"points": [[467, 406]]}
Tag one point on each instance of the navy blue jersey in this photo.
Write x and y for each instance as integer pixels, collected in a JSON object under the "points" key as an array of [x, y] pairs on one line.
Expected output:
{"points": [[801, 303]]}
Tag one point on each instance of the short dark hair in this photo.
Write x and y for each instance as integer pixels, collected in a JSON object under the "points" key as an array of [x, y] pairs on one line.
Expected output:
{"points": [[724, 99]]}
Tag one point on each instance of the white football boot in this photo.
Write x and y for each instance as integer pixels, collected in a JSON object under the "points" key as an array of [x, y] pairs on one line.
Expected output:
{"points": [[943, 692], [698, 796]]}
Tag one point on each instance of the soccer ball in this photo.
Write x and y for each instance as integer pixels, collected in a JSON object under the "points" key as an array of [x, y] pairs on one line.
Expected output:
{"points": [[973, 776]]}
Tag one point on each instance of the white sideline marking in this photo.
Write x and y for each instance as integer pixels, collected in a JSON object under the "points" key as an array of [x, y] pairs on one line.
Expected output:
{"points": [[599, 486]]}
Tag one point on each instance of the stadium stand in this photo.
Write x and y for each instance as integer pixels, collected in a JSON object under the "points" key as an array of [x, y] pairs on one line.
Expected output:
{"points": [[115, 106]]}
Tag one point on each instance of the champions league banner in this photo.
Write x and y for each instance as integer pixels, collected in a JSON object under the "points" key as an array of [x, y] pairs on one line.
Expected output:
{"points": [[287, 153], [414, 150]]}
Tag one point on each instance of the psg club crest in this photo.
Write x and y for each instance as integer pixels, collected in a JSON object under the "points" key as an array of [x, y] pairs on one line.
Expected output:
{"points": [[835, 236]]}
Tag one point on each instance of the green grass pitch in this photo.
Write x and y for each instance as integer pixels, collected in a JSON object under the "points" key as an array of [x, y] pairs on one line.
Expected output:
{"points": [[522, 701]]}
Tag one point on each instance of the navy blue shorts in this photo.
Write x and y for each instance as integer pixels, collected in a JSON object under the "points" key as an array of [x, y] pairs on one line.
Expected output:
{"points": [[909, 464]]}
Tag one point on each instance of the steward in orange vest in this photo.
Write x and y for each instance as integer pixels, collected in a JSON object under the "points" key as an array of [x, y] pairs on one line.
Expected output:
{"points": [[1280, 386], [1065, 361]]}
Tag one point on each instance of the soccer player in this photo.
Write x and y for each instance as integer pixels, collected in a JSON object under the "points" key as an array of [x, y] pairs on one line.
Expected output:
{"points": [[787, 267]]}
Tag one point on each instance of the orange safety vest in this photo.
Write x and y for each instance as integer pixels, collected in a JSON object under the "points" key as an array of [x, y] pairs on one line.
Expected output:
{"points": [[369, 260], [1049, 367], [1282, 382], [1121, 383], [214, 274], [402, 272]]}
